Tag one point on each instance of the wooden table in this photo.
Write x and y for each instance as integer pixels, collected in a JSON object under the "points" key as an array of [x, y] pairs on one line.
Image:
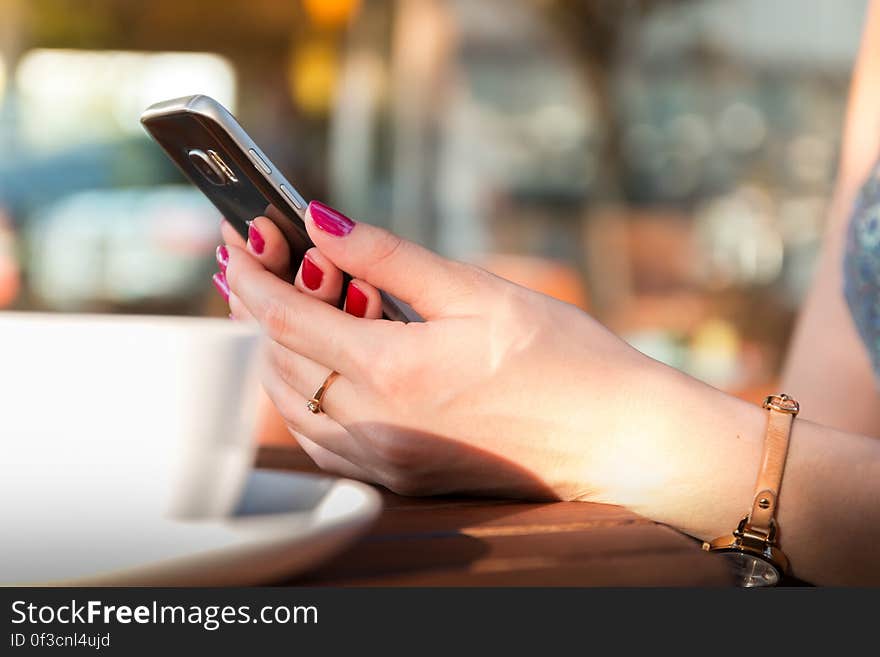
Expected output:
{"points": [[456, 541]]}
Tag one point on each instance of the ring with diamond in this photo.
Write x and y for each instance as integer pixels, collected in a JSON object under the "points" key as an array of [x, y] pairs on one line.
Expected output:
{"points": [[314, 404]]}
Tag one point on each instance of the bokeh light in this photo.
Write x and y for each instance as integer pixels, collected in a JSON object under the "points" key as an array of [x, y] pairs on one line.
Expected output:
{"points": [[312, 76], [104, 92], [331, 13]]}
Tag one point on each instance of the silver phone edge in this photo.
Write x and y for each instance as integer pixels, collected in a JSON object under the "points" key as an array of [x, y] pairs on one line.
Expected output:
{"points": [[211, 109]]}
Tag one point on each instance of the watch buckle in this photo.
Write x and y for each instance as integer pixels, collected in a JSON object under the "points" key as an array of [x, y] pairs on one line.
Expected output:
{"points": [[782, 403], [755, 538]]}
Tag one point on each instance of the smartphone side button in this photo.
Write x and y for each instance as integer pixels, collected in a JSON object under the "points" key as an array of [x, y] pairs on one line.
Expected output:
{"points": [[259, 161], [298, 204]]}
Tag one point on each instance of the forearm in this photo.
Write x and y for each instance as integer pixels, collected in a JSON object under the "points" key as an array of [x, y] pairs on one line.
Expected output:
{"points": [[706, 448]]}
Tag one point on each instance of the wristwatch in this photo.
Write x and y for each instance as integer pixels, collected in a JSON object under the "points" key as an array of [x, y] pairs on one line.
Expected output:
{"points": [[752, 549]]}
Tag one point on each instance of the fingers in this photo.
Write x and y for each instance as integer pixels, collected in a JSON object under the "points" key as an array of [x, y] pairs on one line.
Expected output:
{"points": [[267, 244], [429, 283], [320, 428], [330, 462], [231, 235], [318, 277], [322, 279], [238, 311], [305, 376], [362, 300], [236, 308], [301, 323]]}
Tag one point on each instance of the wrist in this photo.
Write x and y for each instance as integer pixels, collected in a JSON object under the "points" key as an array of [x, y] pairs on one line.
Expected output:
{"points": [[687, 454]]}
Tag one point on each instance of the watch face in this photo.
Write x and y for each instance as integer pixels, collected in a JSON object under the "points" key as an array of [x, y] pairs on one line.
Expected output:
{"points": [[751, 571]]}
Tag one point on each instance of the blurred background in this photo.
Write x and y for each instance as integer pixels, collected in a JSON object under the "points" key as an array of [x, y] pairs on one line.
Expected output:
{"points": [[665, 165]]}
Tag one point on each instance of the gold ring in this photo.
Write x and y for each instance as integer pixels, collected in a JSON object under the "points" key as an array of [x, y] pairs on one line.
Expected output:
{"points": [[314, 404]]}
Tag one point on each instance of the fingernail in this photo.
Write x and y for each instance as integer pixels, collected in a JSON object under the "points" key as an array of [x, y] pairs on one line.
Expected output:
{"points": [[219, 280], [255, 239], [311, 274], [329, 220], [355, 301], [231, 316], [222, 257]]}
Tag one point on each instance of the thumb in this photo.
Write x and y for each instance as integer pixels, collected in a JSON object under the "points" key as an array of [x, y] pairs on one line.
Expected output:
{"points": [[421, 278]]}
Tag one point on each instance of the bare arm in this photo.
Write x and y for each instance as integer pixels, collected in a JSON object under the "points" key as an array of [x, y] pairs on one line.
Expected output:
{"points": [[707, 447], [829, 513], [828, 368]]}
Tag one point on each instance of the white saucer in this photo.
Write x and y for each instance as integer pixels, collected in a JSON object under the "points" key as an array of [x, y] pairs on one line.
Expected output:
{"points": [[285, 524]]}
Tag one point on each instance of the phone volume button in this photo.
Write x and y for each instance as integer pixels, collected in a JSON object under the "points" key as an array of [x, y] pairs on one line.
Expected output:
{"points": [[259, 161], [297, 203]]}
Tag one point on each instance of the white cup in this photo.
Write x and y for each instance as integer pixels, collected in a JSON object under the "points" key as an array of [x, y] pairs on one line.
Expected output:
{"points": [[111, 417]]}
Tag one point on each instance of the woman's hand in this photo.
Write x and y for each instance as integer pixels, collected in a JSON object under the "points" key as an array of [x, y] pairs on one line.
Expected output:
{"points": [[502, 390], [506, 391]]}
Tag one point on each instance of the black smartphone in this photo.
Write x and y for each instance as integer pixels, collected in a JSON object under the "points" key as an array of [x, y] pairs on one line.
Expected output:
{"points": [[215, 153]]}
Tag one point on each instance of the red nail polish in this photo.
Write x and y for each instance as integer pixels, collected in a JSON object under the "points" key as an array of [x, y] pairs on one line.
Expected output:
{"points": [[311, 274], [255, 239], [222, 257], [219, 280], [355, 301], [329, 220]]}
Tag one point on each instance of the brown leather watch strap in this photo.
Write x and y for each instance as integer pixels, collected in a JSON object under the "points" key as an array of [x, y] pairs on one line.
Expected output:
{"points": [[782, 410]]}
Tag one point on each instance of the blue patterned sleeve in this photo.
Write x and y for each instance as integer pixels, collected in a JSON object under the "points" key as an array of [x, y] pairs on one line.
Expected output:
{"points": [[861, 265]]}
